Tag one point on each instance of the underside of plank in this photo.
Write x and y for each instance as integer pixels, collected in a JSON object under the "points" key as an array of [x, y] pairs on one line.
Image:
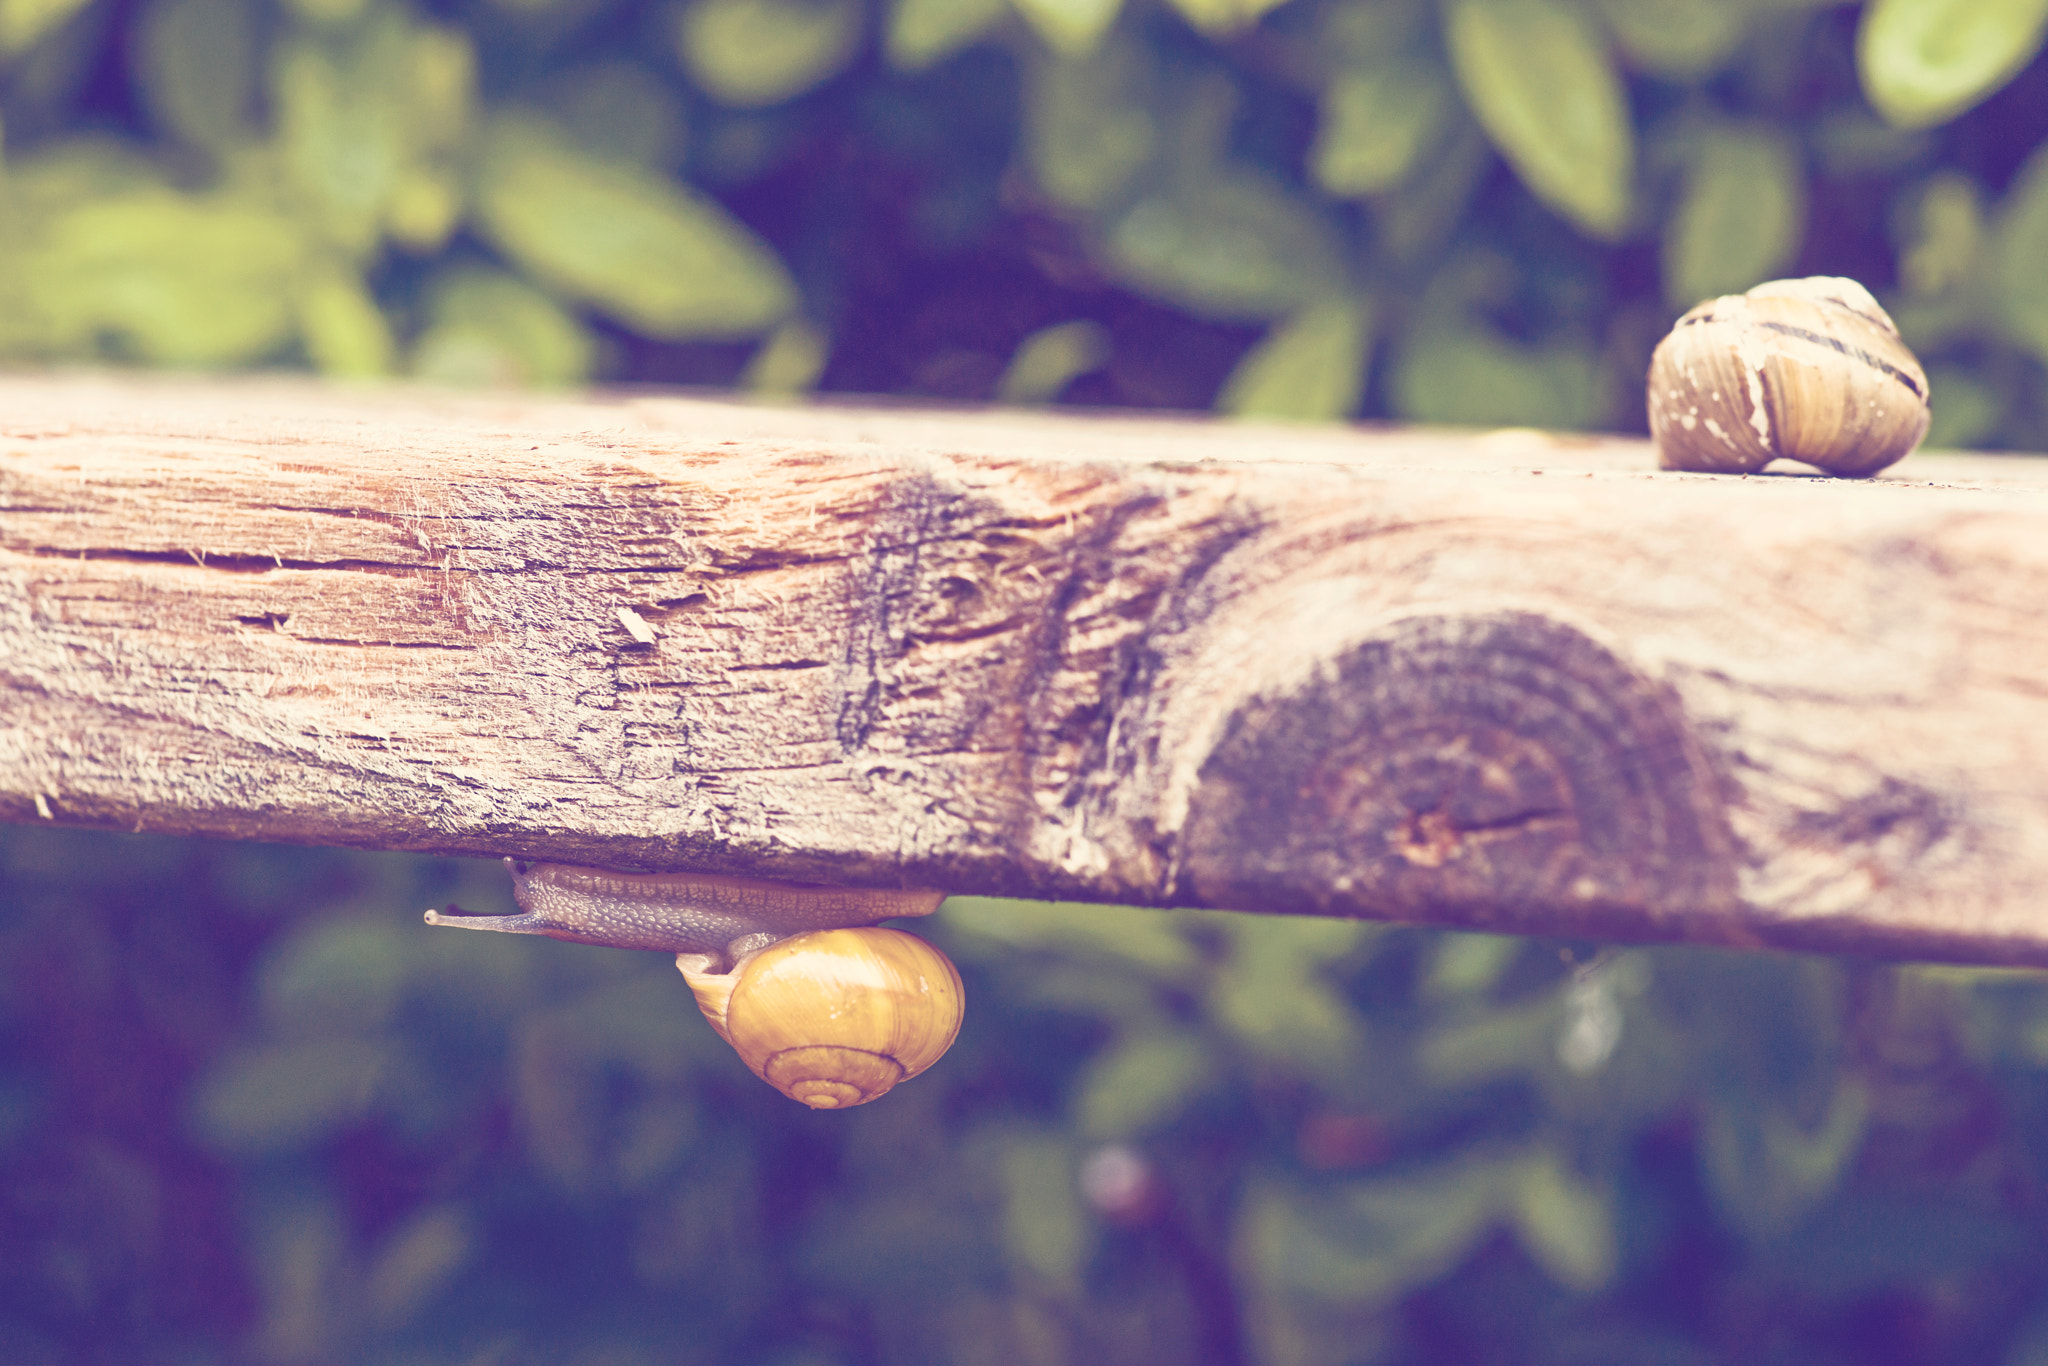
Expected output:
{"points": [[1503, 681]]}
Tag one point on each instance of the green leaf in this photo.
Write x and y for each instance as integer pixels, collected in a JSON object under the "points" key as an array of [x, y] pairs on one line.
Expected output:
{"points": [[923, 33], [1925, 61], [621, 111], [1566, 1224], [1687, 39], [1376, 122], [995, 928], [1741, 217], [490, 328], [1472, 377], [1365, 1243], [1310, 367], [344, 330], [1967, 413], [1089, 127], [175, 280], [22, 22], [1275, 998], [1947, 236], [286, 1095], [196, 67], [1229, 244], [1545, 89], [1147, 1078], [658, 256], [2020, 256], [1070, 27], [1222, 16], [754, 53], [1050, 359], [1045, 1227], [789, 362]]}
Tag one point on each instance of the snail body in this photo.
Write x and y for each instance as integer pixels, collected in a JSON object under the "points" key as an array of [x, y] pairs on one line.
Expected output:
{"points": [[818, 1001], [695, 913], [1811, 370]]}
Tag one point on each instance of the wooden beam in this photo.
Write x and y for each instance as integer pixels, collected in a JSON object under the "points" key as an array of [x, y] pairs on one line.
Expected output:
{"points": [[1506, 681]]}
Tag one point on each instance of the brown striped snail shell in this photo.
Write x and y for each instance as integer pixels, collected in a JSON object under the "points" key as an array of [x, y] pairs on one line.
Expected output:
{"points": [[1811, 370], [834, 1018]]}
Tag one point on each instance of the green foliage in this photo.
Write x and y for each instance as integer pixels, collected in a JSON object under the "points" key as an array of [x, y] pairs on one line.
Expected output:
{"points": [[1162, 1135], [785, 195]]}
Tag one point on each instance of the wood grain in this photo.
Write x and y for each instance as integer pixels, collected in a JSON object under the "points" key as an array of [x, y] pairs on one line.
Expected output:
{"points": [[1502, 680]]}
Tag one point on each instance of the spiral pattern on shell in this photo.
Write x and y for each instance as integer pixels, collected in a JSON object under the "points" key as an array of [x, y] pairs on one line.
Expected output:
{"points": [[1812, 370], [834, 1018]]}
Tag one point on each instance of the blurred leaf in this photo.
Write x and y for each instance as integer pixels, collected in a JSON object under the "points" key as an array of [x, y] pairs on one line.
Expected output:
{"points": [[789, 362], [489, 328], [1310, 367], [664, 259], [22, 22], [1146, 1078], [196, 66], [1966, 410], [754, 53], [288, 1095], [923, 33], [1540, 80], [621, 111], [1469, 964], [1149, 940], [1069, 27], [600, 1082], [333, 14], [344, 330], [1741, 218], [341, 976], [1686, 39], [365, 122], [174, 280], [1231, 244], [1376, 121], [1947, 235], [1274, 996], [1368, 1242], [1566, 1224], [1050, 359], [417, 1260], [1497, 1041], [2020, 256], [1088, 128], [1925, 61], [1217, 17], [1764, 1171], [1474, 378], [1045, 1227]]}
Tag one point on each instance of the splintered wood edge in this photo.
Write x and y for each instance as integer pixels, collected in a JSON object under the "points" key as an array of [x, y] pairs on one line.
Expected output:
{"points": [[1511, 681]]}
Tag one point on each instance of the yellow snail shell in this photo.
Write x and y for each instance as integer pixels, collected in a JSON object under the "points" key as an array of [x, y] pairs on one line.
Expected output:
{"points": [[834, 1018], [1812, 370]]}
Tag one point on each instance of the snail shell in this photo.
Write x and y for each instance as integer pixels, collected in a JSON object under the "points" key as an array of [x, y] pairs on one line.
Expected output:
{"points": [[834, 1018], [1811, 370]]}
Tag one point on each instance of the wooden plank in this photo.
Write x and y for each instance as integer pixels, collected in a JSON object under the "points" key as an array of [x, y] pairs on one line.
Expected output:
{"points": [[1505, 681]]}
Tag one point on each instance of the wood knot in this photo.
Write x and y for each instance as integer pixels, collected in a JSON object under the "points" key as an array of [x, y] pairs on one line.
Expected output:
{"points": [[1488, 770]]}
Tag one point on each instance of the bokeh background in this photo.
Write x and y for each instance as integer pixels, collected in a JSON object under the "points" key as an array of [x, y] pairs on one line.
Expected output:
{"points": [[252, 1111]]}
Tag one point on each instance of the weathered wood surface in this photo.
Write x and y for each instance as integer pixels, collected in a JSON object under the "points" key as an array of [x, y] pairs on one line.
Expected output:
{"points": [[1502, 681]]}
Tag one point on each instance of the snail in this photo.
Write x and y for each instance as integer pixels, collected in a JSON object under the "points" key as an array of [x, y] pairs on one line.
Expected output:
{"points": [[818, 1000], [1812, 370]]}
